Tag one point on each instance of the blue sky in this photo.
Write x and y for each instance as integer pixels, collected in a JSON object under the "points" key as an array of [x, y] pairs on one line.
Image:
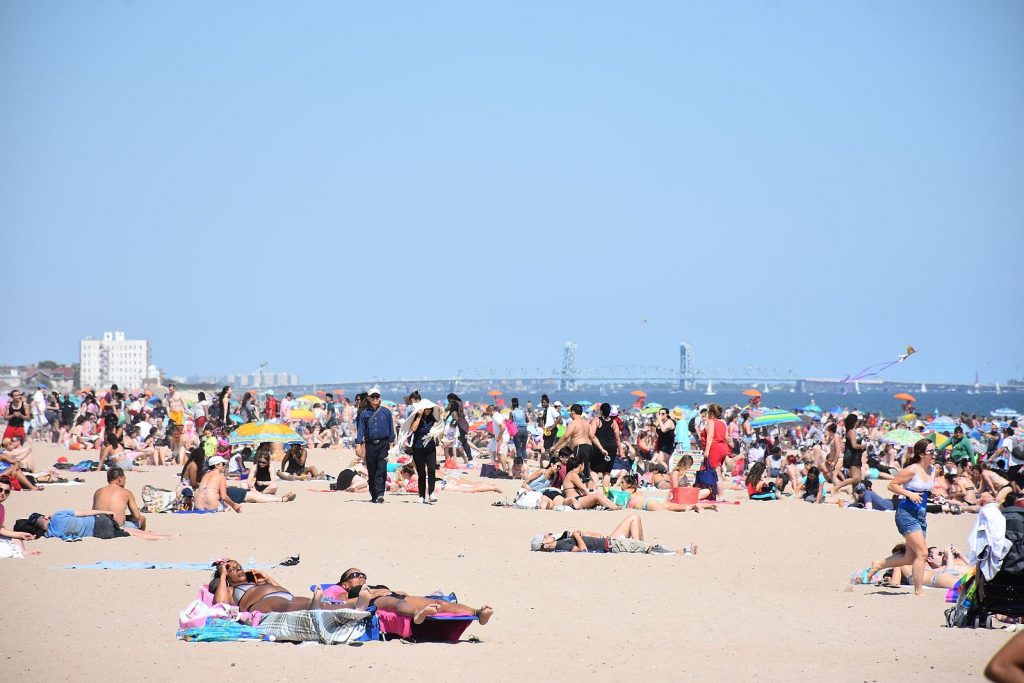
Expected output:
{"points": [[406, 189]]}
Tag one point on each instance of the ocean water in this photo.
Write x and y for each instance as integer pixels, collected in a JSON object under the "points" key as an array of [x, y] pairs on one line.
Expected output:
{"points": [[945, 403]]}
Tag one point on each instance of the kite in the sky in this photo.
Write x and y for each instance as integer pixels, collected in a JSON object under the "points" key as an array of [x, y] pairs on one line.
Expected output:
{"points": [[873, 370]]}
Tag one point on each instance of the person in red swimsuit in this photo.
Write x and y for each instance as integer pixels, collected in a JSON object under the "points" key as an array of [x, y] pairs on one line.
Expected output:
{"points": [[18, 413], [717, 442]]}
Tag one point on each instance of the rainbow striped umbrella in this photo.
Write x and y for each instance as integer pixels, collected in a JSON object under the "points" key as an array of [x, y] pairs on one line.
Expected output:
{"points": [[779, 418], [260, 432]]}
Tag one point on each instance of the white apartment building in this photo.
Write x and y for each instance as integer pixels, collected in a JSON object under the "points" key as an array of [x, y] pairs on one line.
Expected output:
{"points": [[114, 360]]}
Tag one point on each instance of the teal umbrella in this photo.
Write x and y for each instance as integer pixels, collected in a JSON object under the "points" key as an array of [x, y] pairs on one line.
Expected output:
{"points": [[901, 437], [772, 419], [812, 408]]}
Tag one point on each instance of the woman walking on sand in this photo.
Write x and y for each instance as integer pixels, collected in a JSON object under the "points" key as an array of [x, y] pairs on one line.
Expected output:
{"points": [[913, 483]]}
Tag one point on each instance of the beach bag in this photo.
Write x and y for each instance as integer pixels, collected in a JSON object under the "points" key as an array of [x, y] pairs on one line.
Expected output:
{"points": [[156, 500], [1018, 448], [527, 499], [511, 428]]}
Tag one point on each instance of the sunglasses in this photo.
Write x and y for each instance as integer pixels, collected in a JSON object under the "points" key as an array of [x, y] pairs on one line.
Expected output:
{"points": [[374, 395], [5, 491], [353, 575]]}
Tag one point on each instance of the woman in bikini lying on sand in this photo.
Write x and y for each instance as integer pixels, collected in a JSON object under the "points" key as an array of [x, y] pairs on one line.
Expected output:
{"points": [[254, 591], [353, 584], [630, 484]]}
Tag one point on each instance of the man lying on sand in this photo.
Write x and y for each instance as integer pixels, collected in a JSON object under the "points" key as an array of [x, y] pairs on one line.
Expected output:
{"points": [[70, 525], [353, 584], [627, 537]]}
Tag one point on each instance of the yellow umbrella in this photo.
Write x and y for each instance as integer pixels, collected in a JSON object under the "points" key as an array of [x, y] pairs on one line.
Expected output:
{"points": [[909, 417], [301, 414], [311, 398]]}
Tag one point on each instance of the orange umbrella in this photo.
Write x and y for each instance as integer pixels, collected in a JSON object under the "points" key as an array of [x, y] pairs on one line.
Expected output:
{"points": [[637, 392], [752, 392], [905, 397], [494, 392]]}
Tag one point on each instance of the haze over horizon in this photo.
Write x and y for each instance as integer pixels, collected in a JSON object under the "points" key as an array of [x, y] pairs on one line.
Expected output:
{"points": [[348, 191]]}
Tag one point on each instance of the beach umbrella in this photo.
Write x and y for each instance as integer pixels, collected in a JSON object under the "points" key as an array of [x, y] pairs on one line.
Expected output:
{"points": [[909, 417], [835, 410], [585, 404], [942, 424], [939, 440], [752, 392], [235, 417], [300, 414], [902, 437], [650, 410], [389, 404], [1004, 412], [812, 408], [260, 432], [637, 392], [775, 418], [903, 396], [494, 392], [309, 398]]}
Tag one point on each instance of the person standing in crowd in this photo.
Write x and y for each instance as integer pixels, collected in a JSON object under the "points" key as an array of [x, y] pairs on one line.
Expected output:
{"points": [[270, 406], [853, 453], [175, 405], [286, 407], [375, 431], [456, 413], [665, 429], [548, 418], [518, 417], [248, 410], [606, 429], [579, 435], [424, 452], [68, 410], [717, 441], [39, 411], [222, 406], [18, 413], [348, 416]]}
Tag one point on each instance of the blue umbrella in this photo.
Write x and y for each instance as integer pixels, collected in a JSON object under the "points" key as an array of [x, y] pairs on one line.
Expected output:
{"points": [[942, 424], [812, 408], [1004, 412], [835, 410]]}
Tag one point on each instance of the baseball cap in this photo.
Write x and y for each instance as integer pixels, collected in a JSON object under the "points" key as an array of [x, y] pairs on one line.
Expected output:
{"points": [[269, 392], [373, 390], [558, 404], [216, 460], [537, 542]]}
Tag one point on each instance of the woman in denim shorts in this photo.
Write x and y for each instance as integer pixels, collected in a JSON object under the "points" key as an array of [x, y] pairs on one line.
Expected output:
{"points": [[913, 484]]}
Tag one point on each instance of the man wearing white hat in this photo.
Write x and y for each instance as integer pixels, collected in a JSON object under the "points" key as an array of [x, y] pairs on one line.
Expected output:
{"points": [[375, 427]]}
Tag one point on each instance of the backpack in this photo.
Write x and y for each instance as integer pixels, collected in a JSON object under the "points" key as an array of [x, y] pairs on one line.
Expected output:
{"points": [[1018, 448]]}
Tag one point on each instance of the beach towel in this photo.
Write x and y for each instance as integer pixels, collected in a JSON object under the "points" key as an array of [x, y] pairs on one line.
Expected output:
{"points": [[181, 566], [405, 433], [216, 630], [440, 628], [330, 627]]}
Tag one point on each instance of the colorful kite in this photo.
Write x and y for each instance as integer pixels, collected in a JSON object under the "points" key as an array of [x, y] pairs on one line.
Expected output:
{"points": [[873, 370]]}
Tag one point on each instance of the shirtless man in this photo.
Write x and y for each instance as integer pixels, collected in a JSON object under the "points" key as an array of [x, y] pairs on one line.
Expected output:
{"points": [[115, 497], [175, 406], [354, 582], [581, 437], [18, 456]]}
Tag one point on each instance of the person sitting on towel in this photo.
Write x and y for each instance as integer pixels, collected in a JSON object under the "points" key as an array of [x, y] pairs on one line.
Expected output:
{"points": [[627, 537], [353, 581], [114, 496]]}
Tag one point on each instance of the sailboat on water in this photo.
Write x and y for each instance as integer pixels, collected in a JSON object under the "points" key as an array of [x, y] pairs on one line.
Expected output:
{"points": [[924, 389], [710, 391]]}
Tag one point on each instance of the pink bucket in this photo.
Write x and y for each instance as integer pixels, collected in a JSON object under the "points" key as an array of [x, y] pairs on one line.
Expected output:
{"points": [[685, 495]]}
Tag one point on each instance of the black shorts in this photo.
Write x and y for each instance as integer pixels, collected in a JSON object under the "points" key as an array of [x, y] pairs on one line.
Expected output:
{"points": [[551, 493], [550, 439], [237, 494], [851, 459], [106, 528], [294, 468]]}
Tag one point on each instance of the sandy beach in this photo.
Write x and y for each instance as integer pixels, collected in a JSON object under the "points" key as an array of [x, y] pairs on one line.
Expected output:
{"points": [[766, 598]]}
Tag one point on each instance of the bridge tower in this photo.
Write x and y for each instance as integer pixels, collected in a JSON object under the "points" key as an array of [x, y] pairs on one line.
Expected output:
{"points": [[569, 371], [685, 366]]}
